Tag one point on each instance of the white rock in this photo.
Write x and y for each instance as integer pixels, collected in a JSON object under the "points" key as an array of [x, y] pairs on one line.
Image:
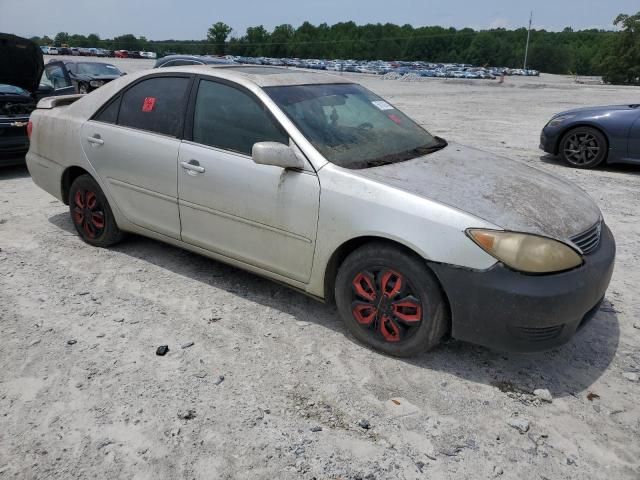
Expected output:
{"points": [[519, 424], [632, 377], [543, 394]]}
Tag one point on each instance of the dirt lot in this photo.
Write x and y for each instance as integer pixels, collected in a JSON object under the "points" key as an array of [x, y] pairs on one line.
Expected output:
{"points": [[108, 407]]}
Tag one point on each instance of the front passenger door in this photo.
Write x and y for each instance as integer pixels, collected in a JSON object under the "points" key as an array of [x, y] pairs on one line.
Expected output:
{"points": [[262, 215]]}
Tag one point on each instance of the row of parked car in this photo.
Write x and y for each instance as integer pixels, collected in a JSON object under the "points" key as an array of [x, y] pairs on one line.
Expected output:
{"points": [[97, 52]]}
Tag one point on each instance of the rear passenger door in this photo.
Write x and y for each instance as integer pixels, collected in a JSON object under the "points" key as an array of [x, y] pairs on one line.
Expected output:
{"points": [[133, 144], [262, 215]]}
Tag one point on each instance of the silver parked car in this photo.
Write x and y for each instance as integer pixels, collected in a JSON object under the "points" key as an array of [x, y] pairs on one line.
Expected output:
{"points": [[317, 183]]}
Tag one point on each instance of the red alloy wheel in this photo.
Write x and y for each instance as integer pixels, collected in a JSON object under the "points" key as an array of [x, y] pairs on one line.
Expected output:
{"points": [[384, 304], [88, 213]]}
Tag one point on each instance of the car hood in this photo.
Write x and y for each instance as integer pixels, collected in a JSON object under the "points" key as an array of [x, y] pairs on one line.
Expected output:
{"points": [[501, 191], [25, 59], [598, 109]]}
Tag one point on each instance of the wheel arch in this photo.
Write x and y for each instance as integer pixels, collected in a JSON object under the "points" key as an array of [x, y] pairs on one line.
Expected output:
{"points": [[68, 177], [599, 128]]}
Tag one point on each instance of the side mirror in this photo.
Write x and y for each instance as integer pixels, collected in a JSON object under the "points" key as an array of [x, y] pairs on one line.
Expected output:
{"points": [[44, 89], [122, 74], [276, 154]]}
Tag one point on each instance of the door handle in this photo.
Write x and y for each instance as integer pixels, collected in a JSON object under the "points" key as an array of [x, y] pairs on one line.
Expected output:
{"points": [[192, 165], [96, 140]]}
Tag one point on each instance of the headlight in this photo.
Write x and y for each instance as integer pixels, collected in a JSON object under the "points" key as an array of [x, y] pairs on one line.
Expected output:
{"points": [[526, 253], [554, 122], [96, 83]]}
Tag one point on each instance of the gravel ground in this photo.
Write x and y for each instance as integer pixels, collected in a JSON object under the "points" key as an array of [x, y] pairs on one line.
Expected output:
{"points": [[273, 386]]}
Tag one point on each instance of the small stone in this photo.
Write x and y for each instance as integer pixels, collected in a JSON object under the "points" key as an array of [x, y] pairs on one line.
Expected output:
{"points": [[118, 320], [219, 380], [83, 293], [200, 374], [302, 324], [316, 429], [519, 424], [187, 345], [497, 471], [299, 450], [100, 335], [187, 414], [543, 394], [364, 424], [162, 350], [632, 377], [636, 326], [34, 343], [71, 342]]}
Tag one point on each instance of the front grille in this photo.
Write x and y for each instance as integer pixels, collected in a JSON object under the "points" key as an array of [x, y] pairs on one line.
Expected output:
{"points": [[588, 241], [537, 334]]}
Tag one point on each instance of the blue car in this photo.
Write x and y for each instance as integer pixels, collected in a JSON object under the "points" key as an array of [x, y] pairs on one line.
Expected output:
{"points": [[588, 137]]}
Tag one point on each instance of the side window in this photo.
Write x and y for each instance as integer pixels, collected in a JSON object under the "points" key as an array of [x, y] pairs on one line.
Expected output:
{"points": [[55, 76], [228, 118], [109, 114], [72, 67], [156, 105]]}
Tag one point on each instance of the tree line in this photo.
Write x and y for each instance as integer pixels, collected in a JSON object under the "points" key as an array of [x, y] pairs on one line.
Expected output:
{"points": [[613, 54]]}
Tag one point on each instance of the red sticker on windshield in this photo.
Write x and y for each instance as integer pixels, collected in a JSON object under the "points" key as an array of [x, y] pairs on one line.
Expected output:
{"points": [[149, 104], [395, 119]]}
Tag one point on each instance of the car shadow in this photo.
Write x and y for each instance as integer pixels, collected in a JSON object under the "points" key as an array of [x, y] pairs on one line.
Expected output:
{"points": [[607, 167], [13, 172], [565, 371]]}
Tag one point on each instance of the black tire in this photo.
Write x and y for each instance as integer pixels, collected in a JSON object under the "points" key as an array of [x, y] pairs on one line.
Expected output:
{"points": [[83, 88], [420, 298], [583, 147], [91, 214]]}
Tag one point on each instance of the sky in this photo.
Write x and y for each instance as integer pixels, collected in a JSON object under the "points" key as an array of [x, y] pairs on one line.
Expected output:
{"points": [[190, 19]]}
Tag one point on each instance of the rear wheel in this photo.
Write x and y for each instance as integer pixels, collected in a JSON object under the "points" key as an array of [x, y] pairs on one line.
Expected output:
{"points": [[583, 147], [91, 214], [83, 88], [389, 300]]}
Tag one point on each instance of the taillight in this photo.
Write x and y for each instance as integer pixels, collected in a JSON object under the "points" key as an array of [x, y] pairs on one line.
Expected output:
{"points": [[29, 129]]}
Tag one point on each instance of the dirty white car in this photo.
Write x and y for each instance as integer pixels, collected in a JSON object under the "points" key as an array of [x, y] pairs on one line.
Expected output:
{"points": [[317, 183]]}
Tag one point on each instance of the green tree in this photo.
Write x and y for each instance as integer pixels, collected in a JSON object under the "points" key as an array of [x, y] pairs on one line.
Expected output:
{"points": [[61, 38], [217, 35], [621, 63]]}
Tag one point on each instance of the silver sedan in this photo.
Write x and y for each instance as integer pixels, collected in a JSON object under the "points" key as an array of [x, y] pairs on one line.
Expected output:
{"points": [[315, 182]]}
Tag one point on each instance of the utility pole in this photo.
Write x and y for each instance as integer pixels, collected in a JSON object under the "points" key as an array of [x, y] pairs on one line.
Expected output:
{"points": [[526, 50]]}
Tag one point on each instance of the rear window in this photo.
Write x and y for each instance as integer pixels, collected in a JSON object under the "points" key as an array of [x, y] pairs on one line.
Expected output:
{"points": [[156, 105]]}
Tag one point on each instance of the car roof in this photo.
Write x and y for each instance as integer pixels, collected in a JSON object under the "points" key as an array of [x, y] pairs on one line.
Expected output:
{"points": [[262, 76]]}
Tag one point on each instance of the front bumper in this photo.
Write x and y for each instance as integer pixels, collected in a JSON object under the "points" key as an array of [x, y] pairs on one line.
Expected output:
{"points": [[549, 140], [506, 310]]}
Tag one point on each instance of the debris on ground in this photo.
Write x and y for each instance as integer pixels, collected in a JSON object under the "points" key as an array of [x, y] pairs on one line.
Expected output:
{"points": [[187, 414], [71, 342], [543, 394], [162, 350], [364, 424], [592, 396], [219, 380], [519, 424], [632, 377], [187, 345], [316, 429]]}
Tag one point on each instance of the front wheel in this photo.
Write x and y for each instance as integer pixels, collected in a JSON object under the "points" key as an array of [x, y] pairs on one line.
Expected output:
{"points": [[583, 147], [389, 300], [91, 214]]}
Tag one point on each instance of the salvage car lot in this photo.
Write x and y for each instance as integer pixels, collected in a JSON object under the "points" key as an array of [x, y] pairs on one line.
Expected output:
{"points": [[106, 405]]}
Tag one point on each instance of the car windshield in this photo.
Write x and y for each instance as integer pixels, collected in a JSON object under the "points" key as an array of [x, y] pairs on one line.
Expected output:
{"points": [[97, 69], [11, 90], [351, 126]]}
